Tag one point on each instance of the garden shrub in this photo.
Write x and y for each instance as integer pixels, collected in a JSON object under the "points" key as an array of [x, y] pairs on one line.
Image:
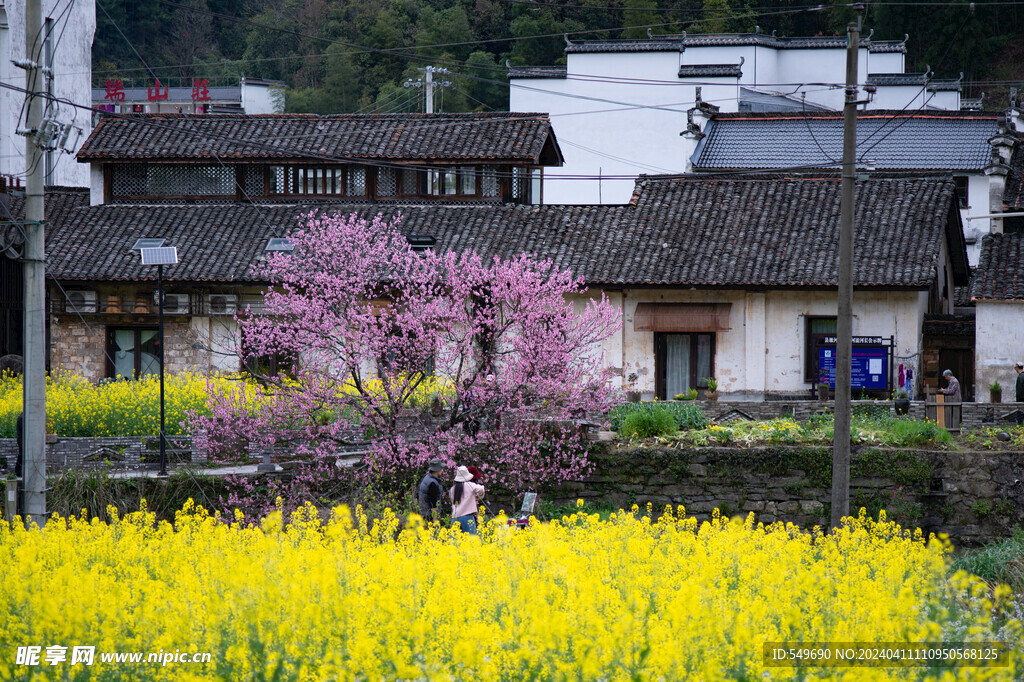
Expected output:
{"points": [[648, 423], [687, 416]]}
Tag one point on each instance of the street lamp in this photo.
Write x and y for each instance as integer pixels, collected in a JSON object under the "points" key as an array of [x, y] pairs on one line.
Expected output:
{"points": [[159, 255]]}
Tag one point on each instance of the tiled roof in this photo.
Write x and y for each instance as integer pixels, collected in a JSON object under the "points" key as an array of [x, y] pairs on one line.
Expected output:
{"points": [[536, 72], [710, 71], [482, 136], [689, 231], [673, 43], [897, 78], [915, 79], [1000, 272], [891, 141], [1013, 195], [949, 84]]}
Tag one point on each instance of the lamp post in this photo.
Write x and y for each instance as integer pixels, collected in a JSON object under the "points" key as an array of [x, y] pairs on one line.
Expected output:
{"points": [[160, 256]]}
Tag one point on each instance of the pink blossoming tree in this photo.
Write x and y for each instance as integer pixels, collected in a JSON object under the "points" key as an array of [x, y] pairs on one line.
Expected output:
{"points": [[514, 342]]}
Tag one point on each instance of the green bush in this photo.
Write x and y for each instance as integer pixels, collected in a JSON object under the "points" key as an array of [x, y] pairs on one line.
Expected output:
{"points": [[687, 416], [648, 424]]}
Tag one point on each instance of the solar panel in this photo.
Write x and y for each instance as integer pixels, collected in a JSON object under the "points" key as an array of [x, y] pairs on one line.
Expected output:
{"points": [[279, 244], [147, 243], [162, 255]]}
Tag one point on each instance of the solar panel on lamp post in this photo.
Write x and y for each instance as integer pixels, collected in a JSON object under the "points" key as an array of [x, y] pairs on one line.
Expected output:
{"points": [[160, 256]]}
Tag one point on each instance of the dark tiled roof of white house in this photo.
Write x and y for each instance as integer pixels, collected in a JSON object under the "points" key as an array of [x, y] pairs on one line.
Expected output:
{"points": [[914, 79], [512, 137], [711, 70], [1000, 272], [536, 71], [691, 231], [890, 140], [678, 42]]}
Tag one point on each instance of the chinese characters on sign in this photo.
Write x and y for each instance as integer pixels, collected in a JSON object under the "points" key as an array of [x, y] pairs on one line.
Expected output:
{"points": [[155, 94], [200, 91], [115, 91]]}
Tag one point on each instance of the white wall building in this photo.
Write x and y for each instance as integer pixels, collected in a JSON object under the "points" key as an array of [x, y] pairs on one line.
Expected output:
{"points": [[620, 105], [66, 49]]}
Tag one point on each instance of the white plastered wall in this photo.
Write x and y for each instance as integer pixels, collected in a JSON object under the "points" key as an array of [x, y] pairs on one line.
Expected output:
{"points": [[763, 351], [999, 330]]}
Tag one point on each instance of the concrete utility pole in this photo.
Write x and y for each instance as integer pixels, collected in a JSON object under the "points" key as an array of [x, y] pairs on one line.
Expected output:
{"points": [[34, 342], [844, 320], [429, 84]]}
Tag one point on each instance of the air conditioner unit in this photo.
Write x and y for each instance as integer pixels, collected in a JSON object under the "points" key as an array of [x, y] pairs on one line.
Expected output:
{"points": [[81, 301], [221, 304], [174, 304]]}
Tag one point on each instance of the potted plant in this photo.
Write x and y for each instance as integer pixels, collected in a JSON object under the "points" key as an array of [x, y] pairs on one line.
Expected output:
{"points": [[824, 391], [901, 401], [712, 392], [632, 394], [995, 392], [689, 395]]}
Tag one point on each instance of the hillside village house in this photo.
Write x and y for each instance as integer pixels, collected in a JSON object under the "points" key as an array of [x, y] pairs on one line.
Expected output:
{"points": [[731, 278], [974, 146], [620, 105], [998, 294], [187, 180]]}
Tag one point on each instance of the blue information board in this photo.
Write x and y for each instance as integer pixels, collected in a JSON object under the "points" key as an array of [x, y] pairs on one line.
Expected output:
{"points": [[870, 367]]}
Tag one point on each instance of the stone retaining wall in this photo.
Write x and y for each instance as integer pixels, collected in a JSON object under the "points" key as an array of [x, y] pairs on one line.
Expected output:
{"points": [[973, 496], [974, 415]]}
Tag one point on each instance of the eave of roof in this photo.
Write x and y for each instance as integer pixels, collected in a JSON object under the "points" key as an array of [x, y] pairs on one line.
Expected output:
{"points": [[493, 137], [692, 231], [674, 43]]}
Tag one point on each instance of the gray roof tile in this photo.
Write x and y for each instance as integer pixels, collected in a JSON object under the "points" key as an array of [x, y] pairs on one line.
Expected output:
{"points": [[674, 43], [689, 231], [710, 71], [1000, 272], [892, 141], [480, 136]]}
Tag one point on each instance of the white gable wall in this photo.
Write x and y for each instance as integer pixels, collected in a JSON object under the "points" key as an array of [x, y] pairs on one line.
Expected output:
{"points": [[999, 328]]}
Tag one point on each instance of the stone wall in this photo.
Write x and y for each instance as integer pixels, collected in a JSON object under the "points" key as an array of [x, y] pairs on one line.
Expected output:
{"points": [[126, 452], [974, 415], [973, 496], [81, 348]]}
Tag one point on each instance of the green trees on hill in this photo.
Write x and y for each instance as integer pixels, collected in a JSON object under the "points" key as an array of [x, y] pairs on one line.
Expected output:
{"points": [[354, 55]]}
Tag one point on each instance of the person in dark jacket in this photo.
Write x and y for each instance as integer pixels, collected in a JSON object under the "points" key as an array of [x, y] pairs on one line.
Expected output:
{"points": [[952, 388], [429, 492], [1019, 368]]}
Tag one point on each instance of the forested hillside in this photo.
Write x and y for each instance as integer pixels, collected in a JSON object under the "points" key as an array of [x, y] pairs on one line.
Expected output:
{"points": [[354, 55]]}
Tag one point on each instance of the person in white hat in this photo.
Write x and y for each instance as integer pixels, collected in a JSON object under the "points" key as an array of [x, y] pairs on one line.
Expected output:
{"points": [[465, 496]]}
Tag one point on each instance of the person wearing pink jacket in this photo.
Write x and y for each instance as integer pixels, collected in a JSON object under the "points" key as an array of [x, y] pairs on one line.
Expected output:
{"points": [[465, 496]]}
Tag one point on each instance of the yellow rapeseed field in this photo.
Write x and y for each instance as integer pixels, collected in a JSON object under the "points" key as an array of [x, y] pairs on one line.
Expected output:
{"points": [[77, 407], [629, 598]]}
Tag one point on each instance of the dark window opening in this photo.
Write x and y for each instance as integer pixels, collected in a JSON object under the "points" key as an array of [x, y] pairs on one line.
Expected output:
{"points": [[682, 361], [132, 352], [962, 186], [817, 328]]}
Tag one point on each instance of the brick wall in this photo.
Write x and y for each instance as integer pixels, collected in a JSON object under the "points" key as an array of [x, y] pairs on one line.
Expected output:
{"points": [[81, 349]]}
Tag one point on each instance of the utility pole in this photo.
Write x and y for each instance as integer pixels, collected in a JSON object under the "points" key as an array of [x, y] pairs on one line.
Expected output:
{"points": [[429, 84], [844, 320], [34, 342]]}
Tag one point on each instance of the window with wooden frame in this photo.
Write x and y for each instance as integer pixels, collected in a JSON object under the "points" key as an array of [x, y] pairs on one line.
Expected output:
{"points": [[815, 331], [682, 361], [132, 352]]}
